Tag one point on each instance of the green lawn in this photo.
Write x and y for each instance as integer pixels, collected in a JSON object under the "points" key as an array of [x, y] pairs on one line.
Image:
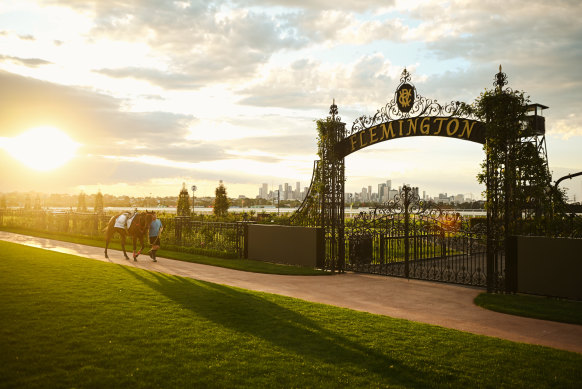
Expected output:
{"points": [[67, 321], [236, 264], [545, 308]]}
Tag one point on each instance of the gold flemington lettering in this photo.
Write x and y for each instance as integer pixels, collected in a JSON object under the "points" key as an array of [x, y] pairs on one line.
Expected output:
{"points": [[449, 132], [440, 120], [362, 144], [467, 129], [386, 132], [412, 127], [400, 123], [373, 135], [353, 142], [425, 128]]}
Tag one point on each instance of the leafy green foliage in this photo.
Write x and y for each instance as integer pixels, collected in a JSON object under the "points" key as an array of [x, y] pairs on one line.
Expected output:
{"points": [[82, 202], [221, 202], [98, 203], [183, 208], [515, 174]]}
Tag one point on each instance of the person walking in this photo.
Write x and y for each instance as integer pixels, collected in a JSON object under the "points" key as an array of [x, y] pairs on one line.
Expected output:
{"points": [[156, 229]]}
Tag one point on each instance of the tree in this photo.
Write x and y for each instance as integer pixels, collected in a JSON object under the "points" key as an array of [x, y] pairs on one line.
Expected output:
{"points": [[183, 208], [37, 206], [81, 202], [516, 175], [98, 203], [221, 202], [3, 202]]}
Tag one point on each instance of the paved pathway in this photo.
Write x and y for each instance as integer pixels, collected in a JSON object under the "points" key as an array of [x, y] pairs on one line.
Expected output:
{"points": [[427, 302]]}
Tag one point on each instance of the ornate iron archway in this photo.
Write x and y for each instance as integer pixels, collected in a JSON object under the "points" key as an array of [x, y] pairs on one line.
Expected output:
{"points": [[408, 114]]}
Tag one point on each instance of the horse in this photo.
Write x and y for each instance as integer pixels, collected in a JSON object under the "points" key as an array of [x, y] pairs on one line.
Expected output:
{"points": [[140, 225]]}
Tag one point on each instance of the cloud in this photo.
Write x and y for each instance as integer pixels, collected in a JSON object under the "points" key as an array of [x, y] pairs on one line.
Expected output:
{"points": [[202, 41], [365, 81], [154, 76], [337, 27], [29, 62], [318, 5], [537, 45], [279, 147], [27, 37], [93, 119]]}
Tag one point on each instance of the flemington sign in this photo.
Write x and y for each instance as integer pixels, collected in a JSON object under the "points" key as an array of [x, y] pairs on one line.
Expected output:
{"points": [[450, 127], [394, 121]]}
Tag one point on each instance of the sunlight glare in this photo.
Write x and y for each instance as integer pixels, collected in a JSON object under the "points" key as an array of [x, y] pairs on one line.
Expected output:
{"points": [[42, 148]]}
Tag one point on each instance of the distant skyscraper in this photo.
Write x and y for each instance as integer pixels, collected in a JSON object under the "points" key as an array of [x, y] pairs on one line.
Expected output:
{"points": [[382, 193], [264, 191], [364, 195]]}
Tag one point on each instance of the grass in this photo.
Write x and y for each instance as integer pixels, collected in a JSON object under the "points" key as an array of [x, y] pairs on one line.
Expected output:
{"points": [[236, 264], [67, 321], [546, 308]]}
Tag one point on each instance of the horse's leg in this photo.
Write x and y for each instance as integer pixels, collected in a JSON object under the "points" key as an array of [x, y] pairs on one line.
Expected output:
{"points": [[134, 246], [141, 243], [107, 238], [123, 244]]}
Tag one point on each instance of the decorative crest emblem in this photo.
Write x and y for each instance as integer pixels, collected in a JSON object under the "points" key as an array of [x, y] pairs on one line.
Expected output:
{"points": [[405, 97]]}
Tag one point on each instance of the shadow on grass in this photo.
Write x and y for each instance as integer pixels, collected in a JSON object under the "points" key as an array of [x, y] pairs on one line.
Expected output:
{"points": [[254, 315]]}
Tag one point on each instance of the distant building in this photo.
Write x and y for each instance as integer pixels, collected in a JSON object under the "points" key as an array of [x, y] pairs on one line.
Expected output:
{"points": [[364, 194], [264, 191], [382, 193]]}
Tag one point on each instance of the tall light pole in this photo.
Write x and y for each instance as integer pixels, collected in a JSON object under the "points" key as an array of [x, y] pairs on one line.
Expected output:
{"points": [[193, 191]]}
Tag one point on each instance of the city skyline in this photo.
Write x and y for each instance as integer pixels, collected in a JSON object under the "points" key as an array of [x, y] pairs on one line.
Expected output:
{"points": [[384, 193]]}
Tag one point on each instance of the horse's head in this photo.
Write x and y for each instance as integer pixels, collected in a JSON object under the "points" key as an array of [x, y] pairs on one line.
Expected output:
{"points": [[142, 222], [149, 218]]}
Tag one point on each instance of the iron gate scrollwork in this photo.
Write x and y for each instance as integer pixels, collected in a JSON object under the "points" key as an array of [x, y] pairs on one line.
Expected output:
{"points": [[411, 238]]}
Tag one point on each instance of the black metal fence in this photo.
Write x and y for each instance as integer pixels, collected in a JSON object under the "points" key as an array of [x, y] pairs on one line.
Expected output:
{"points": [[217, 237], [419, 247], [227, 240]]}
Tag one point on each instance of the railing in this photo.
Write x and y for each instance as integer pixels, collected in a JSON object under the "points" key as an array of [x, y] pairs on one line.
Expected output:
{"points": [[227, 240], [78, 223], [217, 237]]}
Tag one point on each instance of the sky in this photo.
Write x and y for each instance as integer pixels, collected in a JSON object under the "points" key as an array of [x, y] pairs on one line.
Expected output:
{"points": [[137, 97]]}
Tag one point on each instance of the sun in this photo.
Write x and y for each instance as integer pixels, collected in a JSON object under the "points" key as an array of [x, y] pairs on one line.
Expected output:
{"points": [[42, 148]]}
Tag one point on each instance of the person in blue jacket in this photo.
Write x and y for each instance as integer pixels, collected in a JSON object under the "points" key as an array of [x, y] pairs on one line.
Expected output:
{"points": [[155, 231]]}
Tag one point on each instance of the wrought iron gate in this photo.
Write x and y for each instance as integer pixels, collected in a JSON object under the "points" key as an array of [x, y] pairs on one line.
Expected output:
{"points": [[409, 238]]}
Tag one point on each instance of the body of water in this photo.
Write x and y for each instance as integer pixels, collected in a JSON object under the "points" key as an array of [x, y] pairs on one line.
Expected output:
{"points": [[349, 212]]}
